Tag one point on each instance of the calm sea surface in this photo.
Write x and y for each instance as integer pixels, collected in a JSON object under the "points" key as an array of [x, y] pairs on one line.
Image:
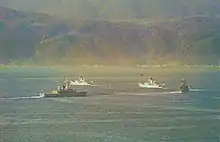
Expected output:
{"points": [[113, 112]]}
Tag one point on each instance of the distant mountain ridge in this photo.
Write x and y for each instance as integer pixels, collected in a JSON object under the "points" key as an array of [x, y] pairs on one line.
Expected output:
{"points": [[21, 31], [119, 9], [43, 38], [192, 39]]}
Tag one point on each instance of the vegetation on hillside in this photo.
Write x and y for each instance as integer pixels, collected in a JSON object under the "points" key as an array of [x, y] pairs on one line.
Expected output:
{"points": [[187, 40], [119, 9], [128, 34], [21, 31]]}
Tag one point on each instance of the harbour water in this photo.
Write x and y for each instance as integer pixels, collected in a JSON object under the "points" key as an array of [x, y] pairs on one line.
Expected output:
{"points": [[112, 112]]}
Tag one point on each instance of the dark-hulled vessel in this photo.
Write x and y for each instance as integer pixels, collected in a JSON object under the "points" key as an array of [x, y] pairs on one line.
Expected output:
{"points": [[64, 90], [64, 93], [184, 88]]}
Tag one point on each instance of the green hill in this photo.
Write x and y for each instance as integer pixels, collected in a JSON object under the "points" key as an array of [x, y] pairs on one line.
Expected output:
{"points": [[48, 39], [119, 9], [20, 31], [191, 39]]}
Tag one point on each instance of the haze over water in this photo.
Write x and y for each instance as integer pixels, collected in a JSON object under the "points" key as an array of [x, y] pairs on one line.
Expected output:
{"points": [[109, 113]]}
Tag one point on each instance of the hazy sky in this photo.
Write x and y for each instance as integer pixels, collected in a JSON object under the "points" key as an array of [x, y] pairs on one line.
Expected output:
{"points": [[111, 8]]}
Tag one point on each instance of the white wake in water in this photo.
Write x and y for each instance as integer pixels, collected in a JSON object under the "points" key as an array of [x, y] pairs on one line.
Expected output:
{"points": [[147, 94], [19, 98], [199, 90], [164, 93], [122, 93]]}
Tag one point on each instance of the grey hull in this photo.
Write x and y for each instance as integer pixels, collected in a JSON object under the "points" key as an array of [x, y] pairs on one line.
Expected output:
{"points": [[65, 94]]}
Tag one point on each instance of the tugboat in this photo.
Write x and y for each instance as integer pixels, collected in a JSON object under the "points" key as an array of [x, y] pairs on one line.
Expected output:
{"points": [[63, 91], [184, 88]]}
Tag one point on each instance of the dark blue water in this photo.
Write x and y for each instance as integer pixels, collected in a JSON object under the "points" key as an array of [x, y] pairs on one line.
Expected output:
{"points": [[120, 117]]}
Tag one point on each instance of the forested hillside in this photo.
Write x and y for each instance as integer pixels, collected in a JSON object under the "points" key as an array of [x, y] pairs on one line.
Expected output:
{"points": [[140, 31], [195, 38], [21, 31], [119, 9]]}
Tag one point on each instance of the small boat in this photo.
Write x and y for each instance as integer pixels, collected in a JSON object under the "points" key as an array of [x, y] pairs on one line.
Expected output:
{"points": [[162, 87], [82, 82], [63, 93], [184, 88], [79, 83], [151, 86]]}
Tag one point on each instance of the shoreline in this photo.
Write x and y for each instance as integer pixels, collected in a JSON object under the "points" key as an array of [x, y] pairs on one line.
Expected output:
{"points": [[113, 66], [103, 69]]}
